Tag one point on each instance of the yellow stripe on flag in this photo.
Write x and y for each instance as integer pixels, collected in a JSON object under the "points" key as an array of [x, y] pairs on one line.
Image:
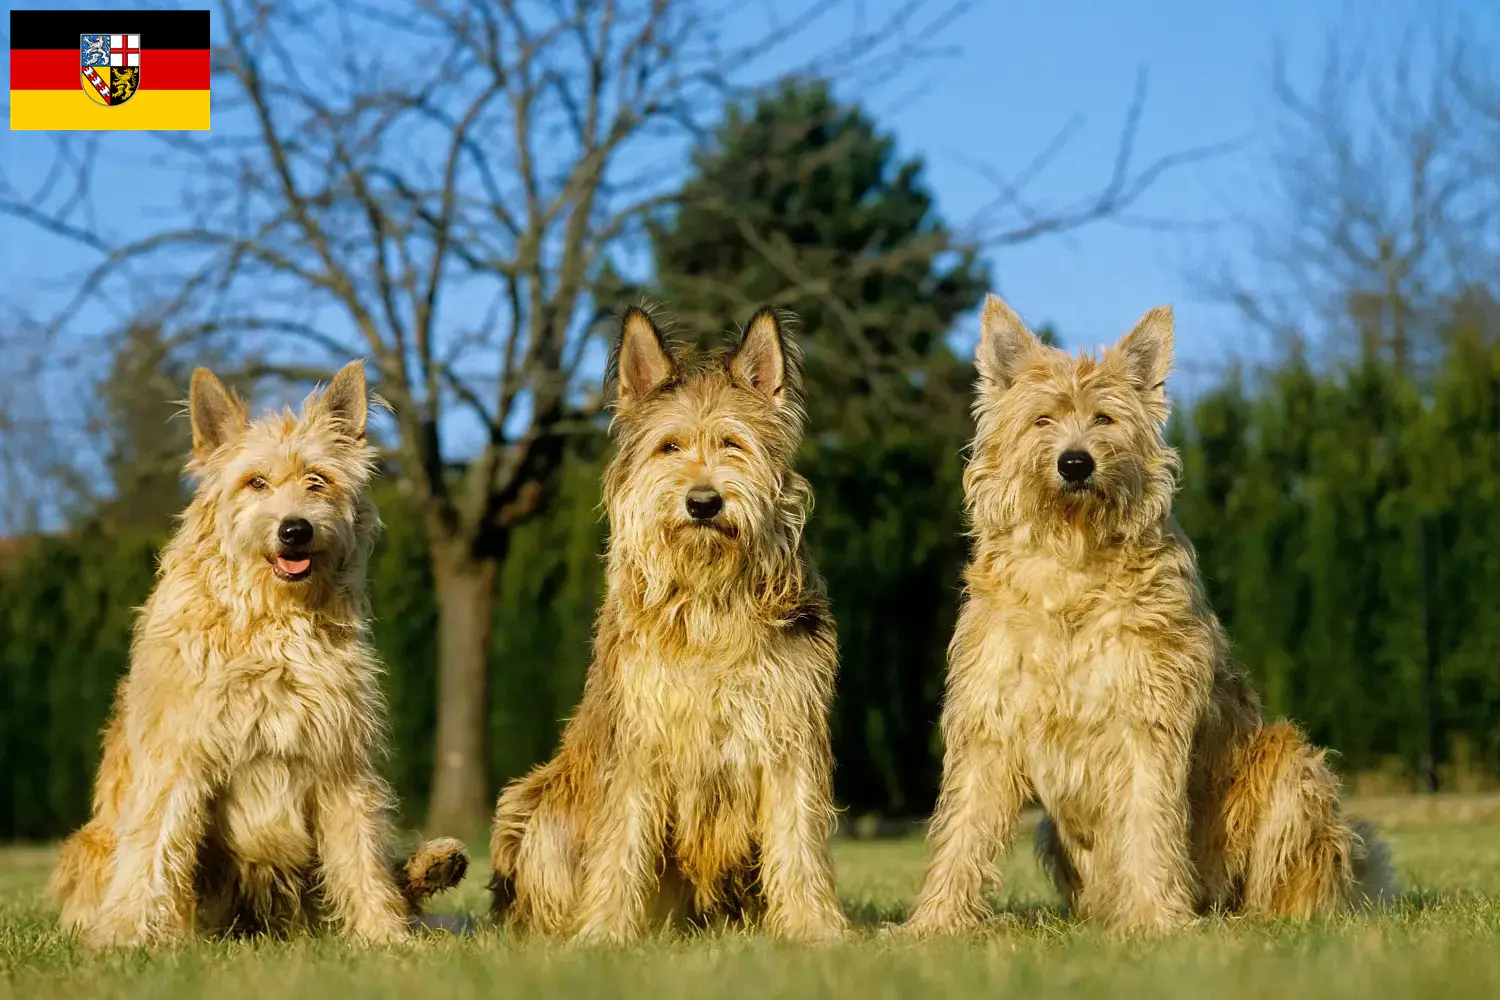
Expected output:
{"points": [[74, 111]]}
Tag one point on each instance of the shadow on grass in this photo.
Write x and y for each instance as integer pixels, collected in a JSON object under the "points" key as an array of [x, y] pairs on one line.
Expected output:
{"points": [[867, 916], [1423, 900], [461, 924], [871, 917]]}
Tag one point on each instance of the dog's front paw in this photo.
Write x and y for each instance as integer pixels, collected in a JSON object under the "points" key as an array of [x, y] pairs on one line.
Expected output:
{"points": [[601, 931], [824, 928], [928, 923], [908, 930], [123, 930], [104, 936], [380, 929]]}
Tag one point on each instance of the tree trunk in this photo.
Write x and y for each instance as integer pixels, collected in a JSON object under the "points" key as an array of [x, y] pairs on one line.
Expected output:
{"points": [[459, 805]]}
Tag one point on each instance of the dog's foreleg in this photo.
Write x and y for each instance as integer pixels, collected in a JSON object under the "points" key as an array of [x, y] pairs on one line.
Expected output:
{"points": [[353, 834], [619, 859], [1150, 852], [150, 895], [980, 800], [984, 783], [796, 867]]}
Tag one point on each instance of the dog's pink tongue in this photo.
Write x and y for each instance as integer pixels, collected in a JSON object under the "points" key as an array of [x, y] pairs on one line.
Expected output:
{"points": [[291, 567]]}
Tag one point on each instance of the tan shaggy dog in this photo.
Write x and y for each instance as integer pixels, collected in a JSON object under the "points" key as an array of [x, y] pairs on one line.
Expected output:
{"points": [[237, 790], [1087, 671], [693, 783]]}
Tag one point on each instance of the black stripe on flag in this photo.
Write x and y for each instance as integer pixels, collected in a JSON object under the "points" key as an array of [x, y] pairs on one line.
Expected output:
{"points": [[59, 29]]}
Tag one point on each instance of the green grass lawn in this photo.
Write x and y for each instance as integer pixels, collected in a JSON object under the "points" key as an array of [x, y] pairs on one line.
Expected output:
{"points": [[1442, 940]]}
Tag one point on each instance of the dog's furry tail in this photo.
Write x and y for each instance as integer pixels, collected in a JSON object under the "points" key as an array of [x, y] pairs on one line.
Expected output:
{"points": [[435, 866], [534, 848], [87, 860], [83, 872], [1374, 875], [513, 813], [1298, 854]]}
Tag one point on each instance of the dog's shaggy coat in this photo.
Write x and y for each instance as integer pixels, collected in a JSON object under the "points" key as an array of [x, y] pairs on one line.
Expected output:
{"points": [[237, 789], [1087, 671], [694, 780]]}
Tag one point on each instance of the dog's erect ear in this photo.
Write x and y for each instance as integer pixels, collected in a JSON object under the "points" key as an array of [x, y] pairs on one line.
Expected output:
{"points": [[1005, 343], [760, 358], [217, 415], [1147, 352], [347, 399], [642, 361]]}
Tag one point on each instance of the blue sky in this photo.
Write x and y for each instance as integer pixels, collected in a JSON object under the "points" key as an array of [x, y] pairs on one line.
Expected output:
{"points": [[1026, 69], [1016, 75]]}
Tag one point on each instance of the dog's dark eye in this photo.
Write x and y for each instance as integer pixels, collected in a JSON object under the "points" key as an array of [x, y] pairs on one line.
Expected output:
{"points": [[668, 448], [315, 483], [258, 484], [1042, 421], [1100, 419], [732, 443]]}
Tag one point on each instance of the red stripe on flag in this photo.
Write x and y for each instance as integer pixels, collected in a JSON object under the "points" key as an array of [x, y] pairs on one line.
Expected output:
{"points": [[174, 69], [59, 69]]}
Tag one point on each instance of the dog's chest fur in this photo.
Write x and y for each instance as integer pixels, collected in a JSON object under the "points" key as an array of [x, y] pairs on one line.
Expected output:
{"points": [[277, 706], [1063, 662], [702, 713], [711, 723], [1090, 664], [284, 698]]}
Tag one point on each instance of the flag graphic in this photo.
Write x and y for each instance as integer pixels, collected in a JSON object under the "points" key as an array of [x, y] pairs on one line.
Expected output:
{"points": [[88, 70]]}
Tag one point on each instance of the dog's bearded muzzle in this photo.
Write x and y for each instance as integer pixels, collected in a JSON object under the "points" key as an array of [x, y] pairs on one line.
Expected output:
{"points": [[299, 549]]}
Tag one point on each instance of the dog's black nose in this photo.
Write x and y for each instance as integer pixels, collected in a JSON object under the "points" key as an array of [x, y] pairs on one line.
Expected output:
{"points": [[296, 532], [1075, 466], [704, 503]]}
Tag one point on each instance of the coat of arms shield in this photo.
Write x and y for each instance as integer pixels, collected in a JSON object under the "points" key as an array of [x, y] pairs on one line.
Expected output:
{"points": [[110, 67]]}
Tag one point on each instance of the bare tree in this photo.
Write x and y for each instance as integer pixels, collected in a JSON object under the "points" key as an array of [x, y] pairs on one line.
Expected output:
{"points": [[1384, 204], [439, 187]]}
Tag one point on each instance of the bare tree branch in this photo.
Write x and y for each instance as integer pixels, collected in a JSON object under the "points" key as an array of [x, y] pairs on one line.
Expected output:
{"points": [[1011, 218], [1386, 207]]}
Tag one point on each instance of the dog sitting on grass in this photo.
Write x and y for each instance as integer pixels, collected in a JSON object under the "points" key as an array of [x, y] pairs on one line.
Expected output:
{"points": [[238, 790], [694, 781], [1087, 671]]}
